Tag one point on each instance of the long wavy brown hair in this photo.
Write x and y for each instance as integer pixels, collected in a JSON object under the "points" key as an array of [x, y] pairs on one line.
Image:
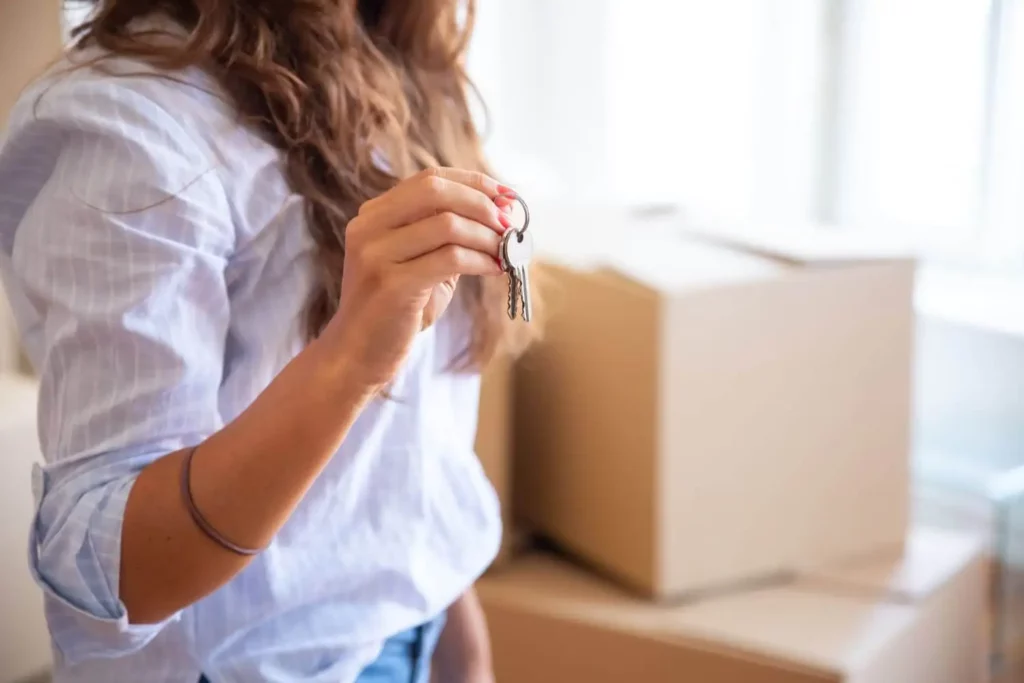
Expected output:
{"points": [[333, 84]]}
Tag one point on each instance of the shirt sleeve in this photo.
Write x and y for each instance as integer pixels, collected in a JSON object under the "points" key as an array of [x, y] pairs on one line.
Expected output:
{"points": [[114, 235]]}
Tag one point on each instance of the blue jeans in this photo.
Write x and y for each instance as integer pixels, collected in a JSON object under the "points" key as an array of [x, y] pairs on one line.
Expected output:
{"points": [[405, 658]]}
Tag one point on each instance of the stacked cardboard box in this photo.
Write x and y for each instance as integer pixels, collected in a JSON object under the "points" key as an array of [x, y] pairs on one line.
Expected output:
{"points": [[494, 443], [710, 410], [713, 418], [911, 618]]}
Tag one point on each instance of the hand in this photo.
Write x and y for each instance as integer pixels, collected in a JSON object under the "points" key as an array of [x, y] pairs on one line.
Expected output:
{"points": [[404, 253]]}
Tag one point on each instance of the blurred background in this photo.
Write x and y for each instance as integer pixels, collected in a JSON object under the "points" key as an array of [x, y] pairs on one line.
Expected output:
{"points": [[896, 117]]}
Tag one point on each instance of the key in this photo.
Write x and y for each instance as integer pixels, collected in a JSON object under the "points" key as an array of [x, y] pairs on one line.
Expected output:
{"points": [[523, 280], [513, 275], [513, 293], [517, 250]]}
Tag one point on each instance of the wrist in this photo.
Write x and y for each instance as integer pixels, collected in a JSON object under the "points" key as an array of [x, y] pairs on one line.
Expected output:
{"points": [[338, 373]]}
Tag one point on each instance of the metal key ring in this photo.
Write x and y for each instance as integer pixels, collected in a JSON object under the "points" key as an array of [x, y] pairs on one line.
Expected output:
{"points": [[526, 213]]}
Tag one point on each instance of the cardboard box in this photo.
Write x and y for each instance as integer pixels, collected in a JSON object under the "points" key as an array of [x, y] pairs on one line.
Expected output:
{"points": [[494, 444], [553, 623], [699, 414]]}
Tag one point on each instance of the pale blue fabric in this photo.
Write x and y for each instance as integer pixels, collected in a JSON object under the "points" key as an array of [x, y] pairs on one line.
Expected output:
{"points": [[405, 658], [158, 266]]}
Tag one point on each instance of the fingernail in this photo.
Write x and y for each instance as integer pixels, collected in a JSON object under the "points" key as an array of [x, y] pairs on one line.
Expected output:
{"points": [[504, 203], [504, 220], [498, 264], [506, 190]]}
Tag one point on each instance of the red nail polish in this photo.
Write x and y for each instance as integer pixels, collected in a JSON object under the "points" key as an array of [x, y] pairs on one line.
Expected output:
{"points": [[505, 222], [505, 189]]}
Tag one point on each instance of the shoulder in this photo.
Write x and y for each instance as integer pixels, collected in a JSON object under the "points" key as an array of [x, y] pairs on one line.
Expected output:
{"points": [[89, 93], [115, 135]]}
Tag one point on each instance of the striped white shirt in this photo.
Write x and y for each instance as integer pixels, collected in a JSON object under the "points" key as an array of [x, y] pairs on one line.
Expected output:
{"points": [[158, 266]]}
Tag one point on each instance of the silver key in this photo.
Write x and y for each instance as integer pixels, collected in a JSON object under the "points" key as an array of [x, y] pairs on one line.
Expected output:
{"points": [[513, 275], [513, 292], [517, 250]]}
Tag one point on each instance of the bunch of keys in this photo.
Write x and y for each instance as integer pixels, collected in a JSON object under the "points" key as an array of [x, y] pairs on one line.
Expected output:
{"points": [[516, 251]]}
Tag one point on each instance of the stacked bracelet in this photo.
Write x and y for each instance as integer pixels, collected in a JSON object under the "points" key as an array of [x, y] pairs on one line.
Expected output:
{"points": [[197, 517]]}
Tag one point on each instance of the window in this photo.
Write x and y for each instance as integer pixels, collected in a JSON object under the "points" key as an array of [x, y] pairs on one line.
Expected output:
{"points": [[913, 115], [714, 105], [1005, 178], [902, 115]]}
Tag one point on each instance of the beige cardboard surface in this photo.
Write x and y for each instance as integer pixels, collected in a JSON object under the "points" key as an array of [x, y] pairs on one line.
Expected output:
{"points": [[929, 572], [554, 622], [933, 557], [798, 394], [494, 442], [805, 243], [538, 647], [584, 473], [699, 415]]}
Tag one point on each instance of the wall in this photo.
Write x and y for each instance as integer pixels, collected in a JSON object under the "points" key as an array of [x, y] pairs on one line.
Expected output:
{"points": [[30, 38], [24, 644]]}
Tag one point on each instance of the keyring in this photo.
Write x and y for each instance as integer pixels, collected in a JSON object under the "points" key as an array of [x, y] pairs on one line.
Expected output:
{"points": [[526, 212]]}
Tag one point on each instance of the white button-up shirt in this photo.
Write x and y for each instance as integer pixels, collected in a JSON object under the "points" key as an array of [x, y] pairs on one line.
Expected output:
{"points": [[159, 265]]}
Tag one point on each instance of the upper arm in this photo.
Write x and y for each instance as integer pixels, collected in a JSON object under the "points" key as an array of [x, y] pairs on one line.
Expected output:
{"points": [[120, 258], [114, 235]]}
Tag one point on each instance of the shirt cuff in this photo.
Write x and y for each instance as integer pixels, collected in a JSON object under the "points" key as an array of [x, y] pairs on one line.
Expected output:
{"points": [[75, 559]]}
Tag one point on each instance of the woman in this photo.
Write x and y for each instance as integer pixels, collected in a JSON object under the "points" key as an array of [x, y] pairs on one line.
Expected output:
{"points": [[252, 255]]}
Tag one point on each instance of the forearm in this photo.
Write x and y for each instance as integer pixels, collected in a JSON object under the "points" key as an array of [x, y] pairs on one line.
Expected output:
{"points": [[463, 653], [246, 479]]}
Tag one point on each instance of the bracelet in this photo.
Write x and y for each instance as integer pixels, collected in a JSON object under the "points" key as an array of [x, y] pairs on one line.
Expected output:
{"points": [[197, 517]]}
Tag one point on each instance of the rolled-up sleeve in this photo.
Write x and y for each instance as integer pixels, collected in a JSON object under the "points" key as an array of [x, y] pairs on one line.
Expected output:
{"points": [[115, 231]]}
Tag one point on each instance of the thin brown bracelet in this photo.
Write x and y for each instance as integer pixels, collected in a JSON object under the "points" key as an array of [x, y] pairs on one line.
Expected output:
{"points": [[197, 517]]}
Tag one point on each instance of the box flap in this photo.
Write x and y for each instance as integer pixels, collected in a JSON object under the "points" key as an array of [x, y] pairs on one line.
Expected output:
{"points": [[658, 258], [807, 245], [932, 558], [668, 263], [791, 243], [792, 626]]}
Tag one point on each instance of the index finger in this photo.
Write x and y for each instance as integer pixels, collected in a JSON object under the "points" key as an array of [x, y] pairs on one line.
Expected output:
{"points": [[475, 179], [472, 179], [470, 194]]}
